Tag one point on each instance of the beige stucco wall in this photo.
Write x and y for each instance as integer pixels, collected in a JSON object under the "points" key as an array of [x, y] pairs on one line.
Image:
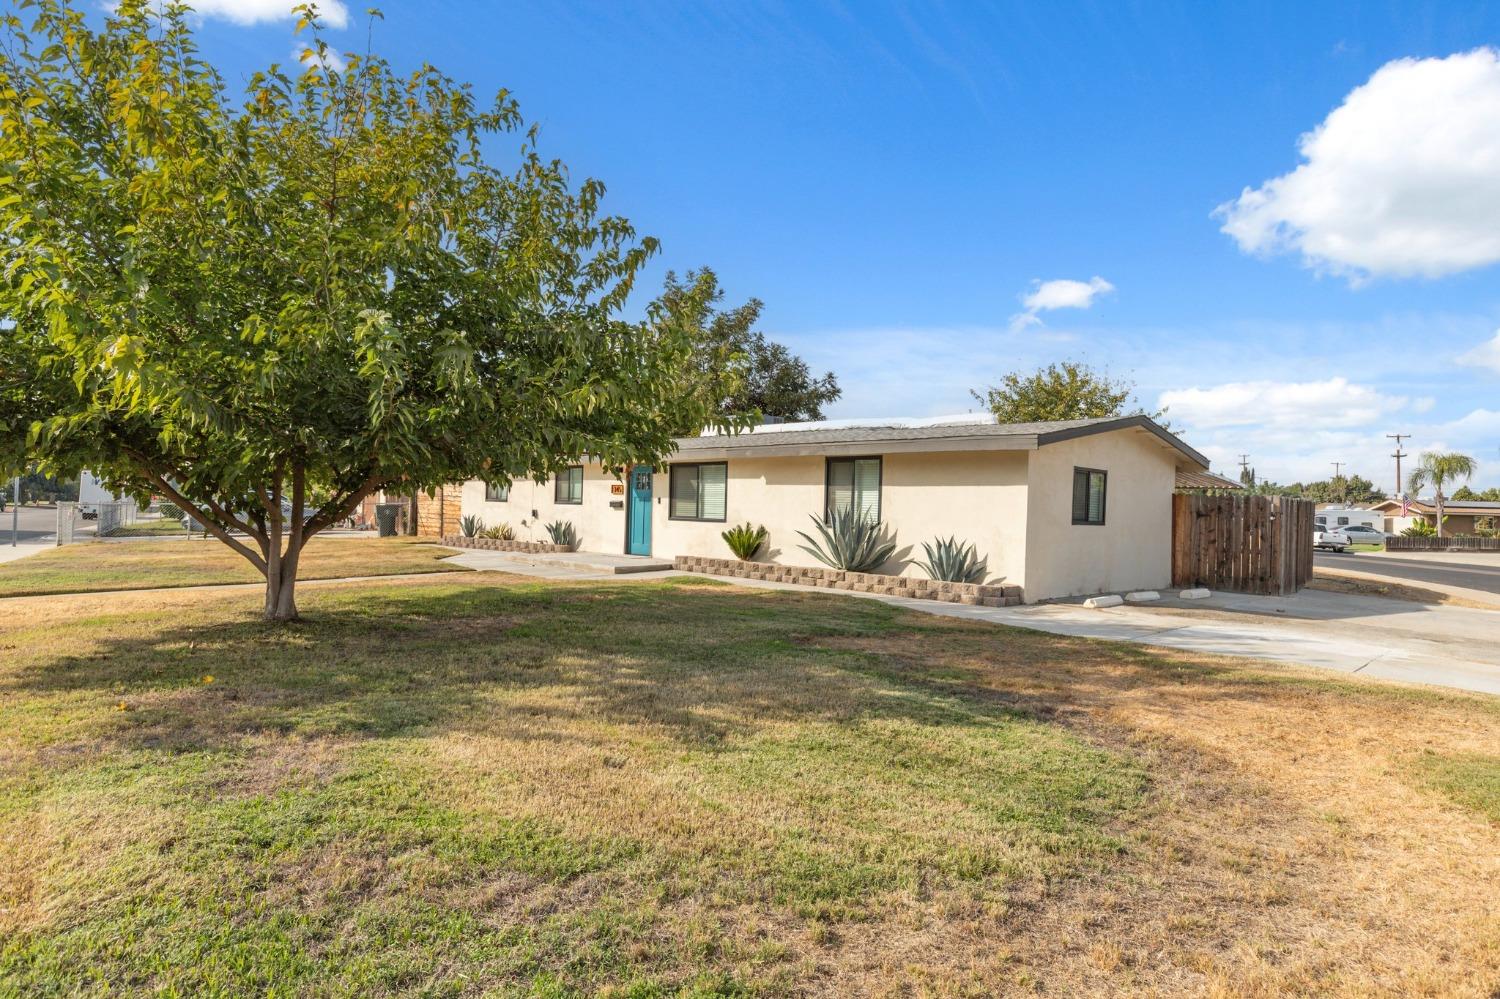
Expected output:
{"points": [[600, 528], [1015, 506], [979, 496], [1132, 549]]}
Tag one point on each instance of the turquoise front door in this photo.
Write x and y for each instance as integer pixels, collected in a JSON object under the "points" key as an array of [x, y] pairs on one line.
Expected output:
{"points": [[639, 488]]}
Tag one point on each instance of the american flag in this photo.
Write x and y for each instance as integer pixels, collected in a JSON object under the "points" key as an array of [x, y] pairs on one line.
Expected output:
{"points": [[1405, 505]]}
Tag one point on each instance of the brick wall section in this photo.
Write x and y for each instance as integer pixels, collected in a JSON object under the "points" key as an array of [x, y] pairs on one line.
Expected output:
{"points": [[975, 594], [496, 545]]}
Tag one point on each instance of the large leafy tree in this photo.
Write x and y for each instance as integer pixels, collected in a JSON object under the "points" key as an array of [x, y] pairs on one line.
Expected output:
{"points": [[1068, 390], [740, 371], [1437, 470], [326, 286]]}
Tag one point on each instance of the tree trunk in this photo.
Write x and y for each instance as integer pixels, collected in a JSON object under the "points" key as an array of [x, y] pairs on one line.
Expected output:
{"points": [[1440, 513], [281, 588]]}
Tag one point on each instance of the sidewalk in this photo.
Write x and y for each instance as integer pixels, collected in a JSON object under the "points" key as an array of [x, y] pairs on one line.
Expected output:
{"points": [[9, 553]]}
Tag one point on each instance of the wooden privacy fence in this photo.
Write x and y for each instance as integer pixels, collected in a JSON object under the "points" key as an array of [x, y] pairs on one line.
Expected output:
{"points": [[1250, 544], [1463, 543]]}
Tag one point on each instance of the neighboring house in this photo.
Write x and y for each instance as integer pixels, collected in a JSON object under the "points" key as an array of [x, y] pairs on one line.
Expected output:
{"points": [[1333, 515], [1459, 516], [1063, 508]]}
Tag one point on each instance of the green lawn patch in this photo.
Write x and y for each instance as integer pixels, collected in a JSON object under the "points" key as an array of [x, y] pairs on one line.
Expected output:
{"points": [[1471, 779], [500, 786], [150, 529], [136, 565], [481, 785]]}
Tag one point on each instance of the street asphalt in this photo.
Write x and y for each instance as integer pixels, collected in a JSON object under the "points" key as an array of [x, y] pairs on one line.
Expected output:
{"points": [[1462, 570]]}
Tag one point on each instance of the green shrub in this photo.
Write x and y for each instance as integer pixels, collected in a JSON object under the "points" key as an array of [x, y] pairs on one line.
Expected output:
{"points": [[470, 526], [745, 540], [1420, 529], [562, 533], [953, 561], [500, 532], [849, 541]]}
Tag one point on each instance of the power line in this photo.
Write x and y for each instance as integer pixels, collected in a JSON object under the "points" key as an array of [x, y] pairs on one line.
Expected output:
{"points": [[1398, 454]]}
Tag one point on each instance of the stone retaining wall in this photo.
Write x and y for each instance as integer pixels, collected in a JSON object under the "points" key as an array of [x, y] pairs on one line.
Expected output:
{"points": [[496, 545], [977, 594]]}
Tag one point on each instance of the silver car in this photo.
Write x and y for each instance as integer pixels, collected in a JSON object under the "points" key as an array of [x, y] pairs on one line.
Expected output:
{"points": [[1363, 534], [1332, 538]]}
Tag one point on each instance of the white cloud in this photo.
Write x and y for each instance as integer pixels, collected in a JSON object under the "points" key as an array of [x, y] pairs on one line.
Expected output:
{"points": [[332, 13], [1335, 403], [330, 59], [1062, 293], [1486, 355], [1401, 180]]}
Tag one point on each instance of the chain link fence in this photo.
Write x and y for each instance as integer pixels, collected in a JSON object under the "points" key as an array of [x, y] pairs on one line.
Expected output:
{"points": [[68, 519], [112, 517], [98, 520]]}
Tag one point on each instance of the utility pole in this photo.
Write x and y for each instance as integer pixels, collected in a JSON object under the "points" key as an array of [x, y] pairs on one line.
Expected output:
{"points": [[1398, 454], [1344, 489], [1244, 469]]}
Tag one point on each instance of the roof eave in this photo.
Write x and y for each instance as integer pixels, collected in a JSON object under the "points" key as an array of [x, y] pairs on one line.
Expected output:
{"points": [[1126, 423], [841, 449]]}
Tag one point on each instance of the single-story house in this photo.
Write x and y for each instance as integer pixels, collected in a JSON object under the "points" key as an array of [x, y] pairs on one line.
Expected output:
{"points": [[1459, 516], [1060, 508]]}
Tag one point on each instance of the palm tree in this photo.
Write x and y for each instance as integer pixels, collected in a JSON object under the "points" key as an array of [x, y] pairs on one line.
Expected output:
{"points": [[1440, 469]]}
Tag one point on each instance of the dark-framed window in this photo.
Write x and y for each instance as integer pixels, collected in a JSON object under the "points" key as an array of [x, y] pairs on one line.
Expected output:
{"points": [[1089, 488], [567, 486], [699, 492], [852, 483], [496, 494]]}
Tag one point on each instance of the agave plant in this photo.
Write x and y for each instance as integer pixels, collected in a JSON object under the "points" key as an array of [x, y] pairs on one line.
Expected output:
{"points": [[745, 540], [953, 561], [849, 541], [500, 532], [562, 533], [470, 526]]}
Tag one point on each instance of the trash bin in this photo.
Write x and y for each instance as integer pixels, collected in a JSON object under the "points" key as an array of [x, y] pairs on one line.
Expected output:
{"points": [[386, 516]]}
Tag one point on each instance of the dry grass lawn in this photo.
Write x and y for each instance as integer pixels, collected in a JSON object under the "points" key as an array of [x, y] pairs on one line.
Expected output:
{"points": [[139, 565], [480, 785]]}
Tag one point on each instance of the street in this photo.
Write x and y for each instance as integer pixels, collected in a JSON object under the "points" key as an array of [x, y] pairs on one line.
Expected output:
{"points": [[1461, 570], [38, 523]]}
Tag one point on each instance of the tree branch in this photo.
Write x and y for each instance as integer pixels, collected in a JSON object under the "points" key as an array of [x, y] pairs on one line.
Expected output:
{"points": [[207, 520], [333, 513]]}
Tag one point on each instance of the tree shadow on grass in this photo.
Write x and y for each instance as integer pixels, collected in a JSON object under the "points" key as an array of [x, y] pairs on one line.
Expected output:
{"points": [[701, 662]]}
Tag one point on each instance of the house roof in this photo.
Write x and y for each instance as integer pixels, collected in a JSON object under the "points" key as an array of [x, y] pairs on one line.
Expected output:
{"points": [[1194, 479], [888, 436], [1479, 508]]}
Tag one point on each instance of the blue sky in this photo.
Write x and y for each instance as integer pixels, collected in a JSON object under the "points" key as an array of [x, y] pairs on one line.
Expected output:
{"points": [[893, 178]]}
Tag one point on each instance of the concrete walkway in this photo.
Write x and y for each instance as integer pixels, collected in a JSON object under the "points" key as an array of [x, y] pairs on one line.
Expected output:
{"points": [[9, 553], [1371, 636]]}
